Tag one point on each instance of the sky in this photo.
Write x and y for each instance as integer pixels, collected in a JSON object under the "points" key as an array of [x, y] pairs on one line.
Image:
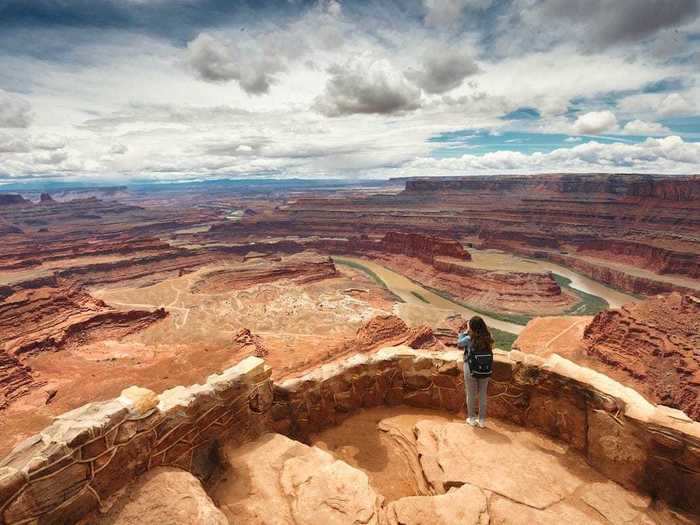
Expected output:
{"points": [[107, 90]]}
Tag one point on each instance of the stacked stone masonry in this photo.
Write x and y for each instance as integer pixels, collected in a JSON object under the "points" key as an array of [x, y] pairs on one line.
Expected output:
{"points": [[87, 455], [649, 448], [82, 461]]}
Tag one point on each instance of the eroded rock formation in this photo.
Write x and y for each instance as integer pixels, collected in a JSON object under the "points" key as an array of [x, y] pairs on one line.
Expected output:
{"points": [[655, 346], [15, 379], [245, 341], [165, 496], [289, 482], [424, 247], [61, 315], [634, 222], [298, 268]]}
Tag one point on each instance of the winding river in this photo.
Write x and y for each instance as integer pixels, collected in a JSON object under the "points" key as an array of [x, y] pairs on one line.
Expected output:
{"points": [[416, 296], [406, 289]]}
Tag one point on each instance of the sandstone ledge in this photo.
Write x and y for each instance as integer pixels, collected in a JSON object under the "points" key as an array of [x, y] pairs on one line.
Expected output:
{"points": [[82, 461]]}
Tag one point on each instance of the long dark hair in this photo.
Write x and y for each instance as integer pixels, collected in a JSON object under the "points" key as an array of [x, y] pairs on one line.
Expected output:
{"points": [[480, 335]]}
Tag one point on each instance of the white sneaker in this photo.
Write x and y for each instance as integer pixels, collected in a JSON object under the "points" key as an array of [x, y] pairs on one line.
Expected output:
{"points": [[482, 424], [471, 421]]}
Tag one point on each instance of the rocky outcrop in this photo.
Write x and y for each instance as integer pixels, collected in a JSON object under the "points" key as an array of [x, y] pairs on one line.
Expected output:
{"points": [[633, 442], [245, 341], [654, 346], [61, 315], [298, 268], [15, 379], [46, 198], [289, 482], [88, 456], [165, 496], [424, 247], [390, 330]]}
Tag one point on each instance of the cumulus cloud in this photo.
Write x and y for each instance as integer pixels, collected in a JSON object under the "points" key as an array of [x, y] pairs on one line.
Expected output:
{"points": [[606, 22], [442, 70], [642, 127], [218, 60], [10, 143], [367, 86], [15, 112], [665, 155], [673, 105], [595, 122], [440, 13]]}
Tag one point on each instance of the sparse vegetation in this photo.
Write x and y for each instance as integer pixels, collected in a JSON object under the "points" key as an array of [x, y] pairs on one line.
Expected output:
{"points": [[503, 340], [589, 304]]}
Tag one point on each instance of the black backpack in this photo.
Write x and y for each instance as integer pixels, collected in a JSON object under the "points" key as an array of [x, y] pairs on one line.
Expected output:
{"points": [[480, 363]]}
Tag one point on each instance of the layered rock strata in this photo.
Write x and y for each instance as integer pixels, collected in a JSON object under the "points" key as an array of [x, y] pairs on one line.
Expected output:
{"points": [[61, 315], [436, 262], [654, 345], [299, 268], [643, 222]]}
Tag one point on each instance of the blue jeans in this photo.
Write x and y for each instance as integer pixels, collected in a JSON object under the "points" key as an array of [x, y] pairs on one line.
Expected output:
{"points": [[471, 386]]}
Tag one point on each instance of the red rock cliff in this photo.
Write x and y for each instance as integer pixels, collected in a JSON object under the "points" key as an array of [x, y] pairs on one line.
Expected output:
{"points": [[424, 247], [656, 345]]}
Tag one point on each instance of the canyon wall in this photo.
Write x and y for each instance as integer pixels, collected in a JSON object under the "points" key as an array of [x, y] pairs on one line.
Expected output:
{"points": [[77, 464], [435, 262], [652, 345], [423, 247], [671, 188], [61, 314], [646, 222], [619, 279]]}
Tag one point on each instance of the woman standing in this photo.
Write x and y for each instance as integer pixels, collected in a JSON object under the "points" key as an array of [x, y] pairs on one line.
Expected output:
{"points": [[477, 343]]}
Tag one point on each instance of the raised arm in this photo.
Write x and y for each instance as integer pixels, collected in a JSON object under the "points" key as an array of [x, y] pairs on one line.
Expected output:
{"points": [[462, 340]]}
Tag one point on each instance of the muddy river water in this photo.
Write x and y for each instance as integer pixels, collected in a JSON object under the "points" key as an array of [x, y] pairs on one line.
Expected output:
{"points": [[417, 298]]}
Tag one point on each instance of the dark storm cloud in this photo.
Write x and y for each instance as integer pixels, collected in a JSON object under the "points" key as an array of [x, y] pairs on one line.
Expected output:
{"points": [[367, 88], [216, 60], [609, 22], [443, 70]]}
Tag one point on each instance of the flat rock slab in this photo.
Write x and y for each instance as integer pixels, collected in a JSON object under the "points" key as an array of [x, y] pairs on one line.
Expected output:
{"points": [[465, 506], [532, 472], [165, 496], [276, 480]]}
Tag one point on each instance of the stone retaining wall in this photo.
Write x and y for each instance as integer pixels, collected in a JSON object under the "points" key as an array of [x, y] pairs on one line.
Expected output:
{"points": [[645, 447], [87, 455]]}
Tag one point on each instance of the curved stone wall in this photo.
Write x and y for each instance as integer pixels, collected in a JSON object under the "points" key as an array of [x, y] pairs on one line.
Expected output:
{"points": [[86, 456], [649, 448]]}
